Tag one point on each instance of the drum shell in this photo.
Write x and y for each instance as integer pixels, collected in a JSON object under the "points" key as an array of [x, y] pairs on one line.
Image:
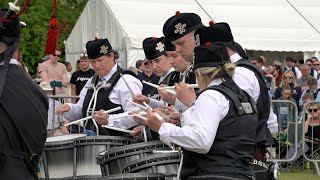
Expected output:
{"points": [[164, 163], [114, 160], [58, 157], [129, 176], [89, 147]]}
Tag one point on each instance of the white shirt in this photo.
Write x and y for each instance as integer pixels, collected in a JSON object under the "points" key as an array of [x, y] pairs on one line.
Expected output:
{"points": [[119, 95], [248, 82], [199, 123], [244, 78], [159, 103], [241, 82]]}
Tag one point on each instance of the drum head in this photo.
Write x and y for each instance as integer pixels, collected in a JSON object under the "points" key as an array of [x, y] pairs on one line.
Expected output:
{"points": [[65, 139]]}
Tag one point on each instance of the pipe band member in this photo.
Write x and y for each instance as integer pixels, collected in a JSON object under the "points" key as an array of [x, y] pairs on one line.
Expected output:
{"points": [[217, 132], [103, 60]]}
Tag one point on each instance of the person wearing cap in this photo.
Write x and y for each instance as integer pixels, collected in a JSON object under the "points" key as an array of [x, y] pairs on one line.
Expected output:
{"points": [[148, 75], [55, 122], [155, 52], [103, 60], [179, 64], [179, 29], [214, 134], [220, 33], [23, 108]]}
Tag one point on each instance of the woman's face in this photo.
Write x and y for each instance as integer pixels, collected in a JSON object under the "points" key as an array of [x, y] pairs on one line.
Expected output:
{"points": [[288, 78], [313, 110]]}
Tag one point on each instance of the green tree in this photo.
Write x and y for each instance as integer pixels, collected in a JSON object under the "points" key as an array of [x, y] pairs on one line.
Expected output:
{"points": [[37, 17]]}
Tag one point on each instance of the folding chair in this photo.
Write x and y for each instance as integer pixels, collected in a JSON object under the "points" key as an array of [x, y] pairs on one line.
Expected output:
{"points": [[313, 155]]}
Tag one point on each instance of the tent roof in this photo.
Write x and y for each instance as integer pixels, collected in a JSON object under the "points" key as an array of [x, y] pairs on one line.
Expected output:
{"points": [[272, 25]]}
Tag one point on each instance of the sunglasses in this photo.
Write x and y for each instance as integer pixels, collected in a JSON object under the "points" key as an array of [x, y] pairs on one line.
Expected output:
{"points": [[314, 110], [309, 64], [56, 55], [287, 77], [146, 63]]}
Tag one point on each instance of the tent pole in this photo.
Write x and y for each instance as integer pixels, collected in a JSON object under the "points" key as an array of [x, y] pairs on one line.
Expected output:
{"points": [[204, 10]]}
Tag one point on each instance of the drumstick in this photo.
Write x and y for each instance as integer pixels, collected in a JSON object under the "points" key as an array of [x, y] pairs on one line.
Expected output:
{"points": [[89, 117], [155, 114], [132, 115], [141, 117], [138, 105], [164, 151], [173, 87], [131, 91], [156, 86], [118, 129]]}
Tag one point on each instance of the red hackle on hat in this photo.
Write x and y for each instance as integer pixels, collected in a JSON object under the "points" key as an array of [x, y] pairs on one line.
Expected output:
{"points": [[52, 32], [178, 13], [211, 23], [153, 38], [208, 44]]}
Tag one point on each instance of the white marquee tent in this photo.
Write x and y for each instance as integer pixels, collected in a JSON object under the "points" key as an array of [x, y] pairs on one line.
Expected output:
{"points": [[266, 25]]}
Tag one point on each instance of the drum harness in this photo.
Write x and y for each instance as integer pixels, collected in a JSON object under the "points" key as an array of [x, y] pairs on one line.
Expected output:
{"points": [[93, 100]]}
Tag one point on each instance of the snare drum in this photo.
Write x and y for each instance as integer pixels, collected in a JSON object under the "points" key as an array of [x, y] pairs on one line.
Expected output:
{"points": [[116, 159], [58, 156], [165, 163], [89, 147]]}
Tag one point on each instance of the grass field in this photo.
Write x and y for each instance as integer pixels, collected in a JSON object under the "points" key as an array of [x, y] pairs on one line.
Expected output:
{"points": [[298, 175]]}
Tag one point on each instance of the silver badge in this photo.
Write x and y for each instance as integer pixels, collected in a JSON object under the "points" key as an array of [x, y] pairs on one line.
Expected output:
{"points": [[160, 46], [197, 40], [247, 107], [104, 49], [180, 28]]}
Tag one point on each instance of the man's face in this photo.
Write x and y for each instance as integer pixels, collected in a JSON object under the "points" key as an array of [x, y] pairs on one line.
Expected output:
{"points": [[84, 64], [305, 71], [177, 62], [3, 47], [316, 65], [161, 65], [185, 46], [288, 63], [255, 62], [54, 58], [103, 64]]}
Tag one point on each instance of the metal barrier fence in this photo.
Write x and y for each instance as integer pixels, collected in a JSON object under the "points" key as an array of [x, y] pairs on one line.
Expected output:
{"points": [[290, 149], [53, 105]]}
